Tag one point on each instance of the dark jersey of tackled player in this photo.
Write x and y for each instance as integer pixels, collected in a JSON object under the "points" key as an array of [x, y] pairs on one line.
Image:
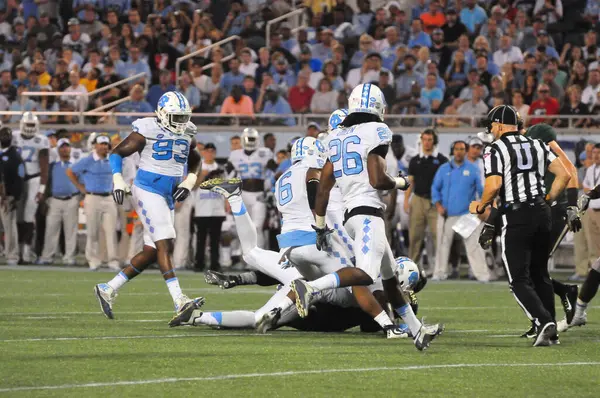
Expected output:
{"points": [[546, 134]]}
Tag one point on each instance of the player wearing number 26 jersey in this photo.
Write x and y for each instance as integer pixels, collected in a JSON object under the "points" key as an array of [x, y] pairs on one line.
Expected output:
{"points": [[166, 146]]}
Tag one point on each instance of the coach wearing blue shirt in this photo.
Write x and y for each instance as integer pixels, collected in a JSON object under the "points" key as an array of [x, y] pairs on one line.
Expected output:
{"points": [[63, 208], [455, 185], [95, 173]]}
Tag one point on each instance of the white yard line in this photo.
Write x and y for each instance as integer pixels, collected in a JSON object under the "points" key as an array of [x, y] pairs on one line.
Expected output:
{"points": [[291, 373], [155, 336]]}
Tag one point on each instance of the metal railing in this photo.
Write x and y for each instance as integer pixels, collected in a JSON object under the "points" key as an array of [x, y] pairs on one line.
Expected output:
{"points": [[296, 13], [224, 59], [301, 121], [118, 83], [199, 52]]}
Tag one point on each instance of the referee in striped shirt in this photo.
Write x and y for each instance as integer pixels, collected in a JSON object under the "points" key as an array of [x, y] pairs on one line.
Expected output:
{"points": [[515, 167]]}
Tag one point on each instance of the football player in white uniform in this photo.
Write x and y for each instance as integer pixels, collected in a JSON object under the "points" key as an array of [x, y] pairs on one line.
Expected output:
{"points": [[250, 164], [166, 145], [357, 151], [34, 148]]}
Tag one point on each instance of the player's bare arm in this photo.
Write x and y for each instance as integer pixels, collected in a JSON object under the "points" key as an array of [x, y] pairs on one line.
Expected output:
{"points": [[44, 157], [378, 178], [561, 179], [326, 183], [133, 143]]}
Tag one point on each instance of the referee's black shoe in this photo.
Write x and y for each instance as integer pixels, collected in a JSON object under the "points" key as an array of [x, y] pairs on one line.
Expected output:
{"points": [[531, 333], [546, 335]]}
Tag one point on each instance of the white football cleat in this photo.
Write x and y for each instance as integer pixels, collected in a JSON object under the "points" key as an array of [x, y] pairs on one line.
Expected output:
{"points": [[185, 306], [106, 297]]}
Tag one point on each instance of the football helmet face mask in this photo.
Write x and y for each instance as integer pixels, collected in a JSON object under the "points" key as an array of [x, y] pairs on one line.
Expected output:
{"points": [[173, 112], [30, 125], [250, 139]]}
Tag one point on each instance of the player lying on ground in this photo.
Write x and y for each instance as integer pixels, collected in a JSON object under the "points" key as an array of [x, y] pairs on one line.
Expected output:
{"points": [[592, 280], [357, 151], [334, 311], [166, 145], [297, 240]]}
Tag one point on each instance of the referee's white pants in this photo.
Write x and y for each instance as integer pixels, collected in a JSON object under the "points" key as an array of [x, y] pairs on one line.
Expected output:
{"points": [[475, 254], [65, 213], [372, 251], [100, 213], [257, 209]]}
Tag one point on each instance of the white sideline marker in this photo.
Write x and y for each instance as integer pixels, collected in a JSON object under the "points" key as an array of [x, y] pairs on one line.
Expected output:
{"points": [[291, 373]]}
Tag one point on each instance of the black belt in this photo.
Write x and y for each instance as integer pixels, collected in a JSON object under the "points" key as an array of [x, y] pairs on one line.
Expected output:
{"points": [[538, 200], [99, 193], [63, 197], [30, 176], [364, 211]]}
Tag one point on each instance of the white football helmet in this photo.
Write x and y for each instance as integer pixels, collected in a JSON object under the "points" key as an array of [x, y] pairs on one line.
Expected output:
{"points": [[250, 139], [408, 273], [30, 125], [173, 112], [336, 118], [367, 98], [310, 151]]}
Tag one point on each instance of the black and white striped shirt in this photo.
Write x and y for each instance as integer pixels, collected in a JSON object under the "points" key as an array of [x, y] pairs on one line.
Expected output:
{"points": [[522, 164]]}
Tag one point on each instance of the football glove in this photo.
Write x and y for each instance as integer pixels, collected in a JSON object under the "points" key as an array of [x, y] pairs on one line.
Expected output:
{"points": [[322, 237], [402, 182], [120, 188], [583, 203], [573, 218], [487, 236], [184, 189]]}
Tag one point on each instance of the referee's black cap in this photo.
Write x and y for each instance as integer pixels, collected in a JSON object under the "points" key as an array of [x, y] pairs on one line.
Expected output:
{"points": [[504, 114]]}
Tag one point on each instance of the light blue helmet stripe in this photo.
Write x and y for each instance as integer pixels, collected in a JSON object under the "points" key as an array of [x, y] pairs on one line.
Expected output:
{"points": [[181, 100]]}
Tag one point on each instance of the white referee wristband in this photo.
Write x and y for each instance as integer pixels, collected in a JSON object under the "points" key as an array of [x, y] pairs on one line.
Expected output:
{"points": [[42, 188], [320, 222], [400, 182], [189, 181]]}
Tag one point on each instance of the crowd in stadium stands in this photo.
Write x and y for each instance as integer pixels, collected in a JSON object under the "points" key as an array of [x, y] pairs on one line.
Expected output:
{"points": [[451, 57]]}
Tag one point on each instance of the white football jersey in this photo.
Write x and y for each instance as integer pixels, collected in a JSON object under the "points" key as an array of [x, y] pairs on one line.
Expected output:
{"points": [[30, 150], [165, 153], [253, 166], [348, 149], [292, 199]]}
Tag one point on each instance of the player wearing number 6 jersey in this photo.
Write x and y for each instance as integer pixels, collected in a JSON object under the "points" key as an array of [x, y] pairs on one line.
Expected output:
{"points": [[166, 145]]}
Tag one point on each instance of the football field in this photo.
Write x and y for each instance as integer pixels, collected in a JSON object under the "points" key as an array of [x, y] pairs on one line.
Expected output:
{"points": [[55, 342]]}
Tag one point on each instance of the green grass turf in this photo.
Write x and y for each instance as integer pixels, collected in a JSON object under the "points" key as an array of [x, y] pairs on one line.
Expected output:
{"points": [[482, 322]]}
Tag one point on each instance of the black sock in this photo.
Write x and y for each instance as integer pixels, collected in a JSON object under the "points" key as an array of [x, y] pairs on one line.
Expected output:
{"points": [[265, 280], [559, 288], [590, 286]]}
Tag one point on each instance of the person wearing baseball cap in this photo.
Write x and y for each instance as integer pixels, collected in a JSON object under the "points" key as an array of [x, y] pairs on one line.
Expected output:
{"points": [[63, 207], [92, 176], [515, 167]]}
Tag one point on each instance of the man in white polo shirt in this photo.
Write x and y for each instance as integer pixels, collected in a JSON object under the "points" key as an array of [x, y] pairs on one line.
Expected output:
{"points": [[209, 212]]}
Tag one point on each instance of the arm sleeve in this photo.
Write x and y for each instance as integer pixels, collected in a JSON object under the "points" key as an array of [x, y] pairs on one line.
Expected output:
{"points": [[492, 163], [312, 186]]}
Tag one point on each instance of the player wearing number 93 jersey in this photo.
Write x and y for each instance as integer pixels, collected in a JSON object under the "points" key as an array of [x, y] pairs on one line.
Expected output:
{"points": [[166, 146]]}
